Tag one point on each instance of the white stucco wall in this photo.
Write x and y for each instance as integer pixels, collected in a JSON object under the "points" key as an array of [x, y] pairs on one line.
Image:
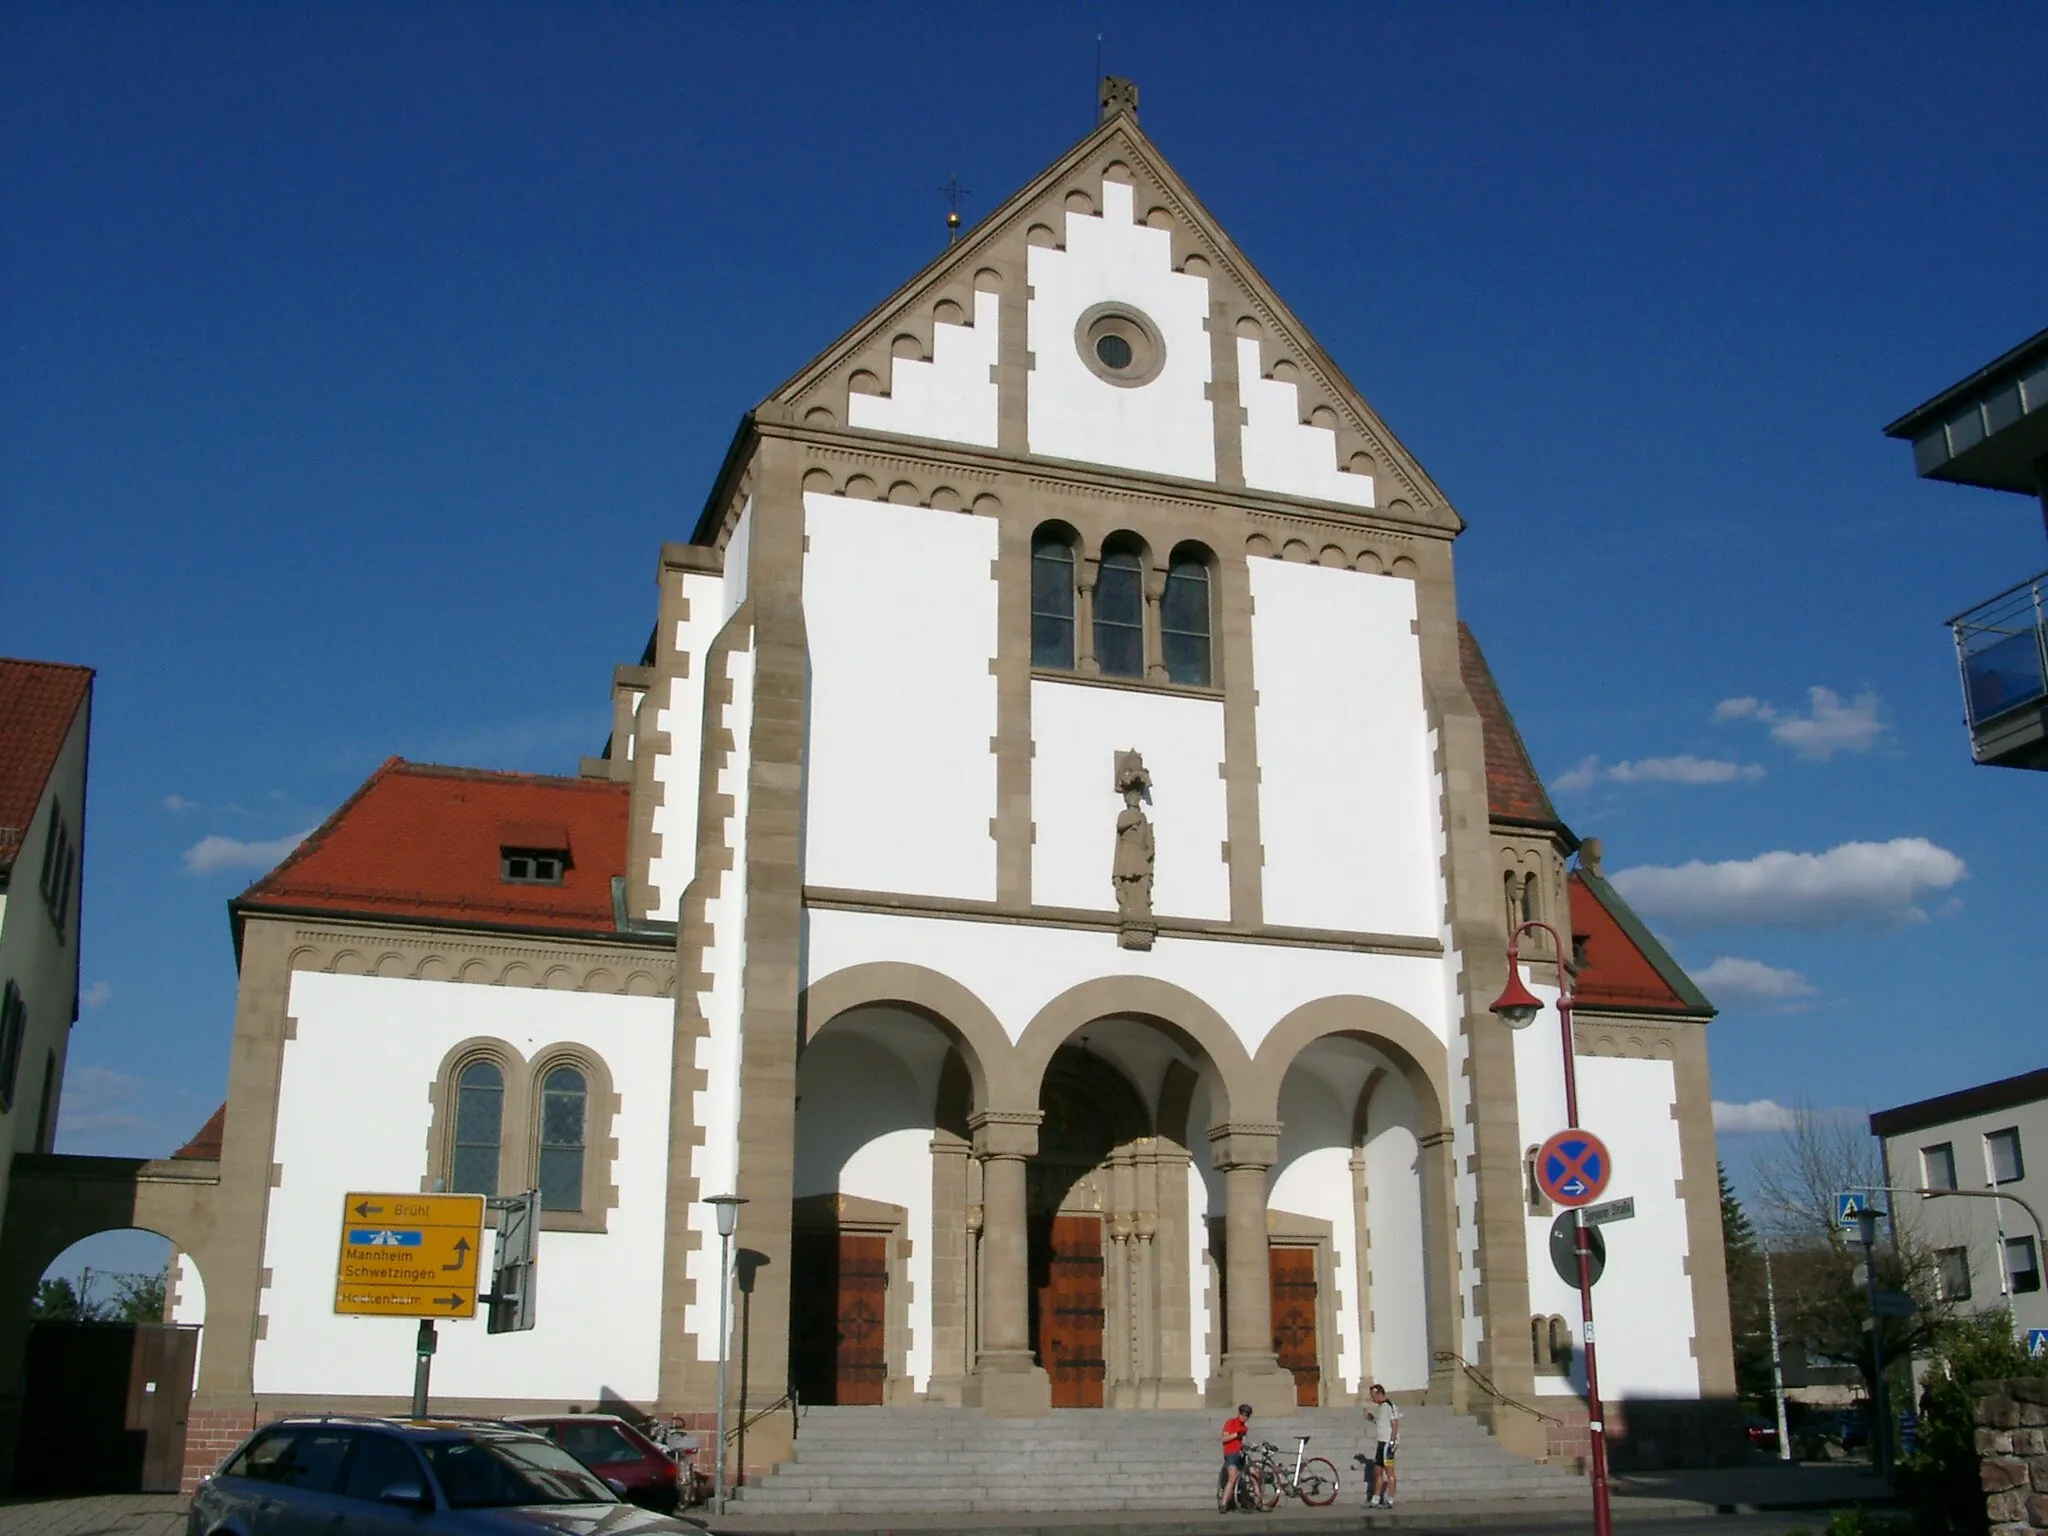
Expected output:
{"points": [[188, 1288], [952, 397], [353, 1113], [1076, 732], [716, 1106], [1340, 692], [1313, 1178], [679, 713], [1167, 425], [738, 562], [1281, 451], [1643, 1302], [1017, 970], [1398, 1238], [899, 782]]}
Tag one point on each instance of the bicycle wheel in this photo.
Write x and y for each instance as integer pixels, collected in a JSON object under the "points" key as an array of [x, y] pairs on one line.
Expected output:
{"points": [[1318, 1483], [1266, 1489]]}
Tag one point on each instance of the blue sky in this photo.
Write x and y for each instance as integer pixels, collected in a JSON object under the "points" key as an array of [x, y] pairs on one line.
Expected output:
{"points": [[358, 358]]}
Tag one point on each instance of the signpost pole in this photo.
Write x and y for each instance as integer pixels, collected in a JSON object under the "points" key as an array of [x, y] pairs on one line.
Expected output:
{"points": [[1518, 1008], [423, 1367], [1880, 1399], [1777, 1359]]}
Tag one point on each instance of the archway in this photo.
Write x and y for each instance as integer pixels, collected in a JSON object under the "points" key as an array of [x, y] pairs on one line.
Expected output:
{"points": [[109, 1362], [881, 1277]]}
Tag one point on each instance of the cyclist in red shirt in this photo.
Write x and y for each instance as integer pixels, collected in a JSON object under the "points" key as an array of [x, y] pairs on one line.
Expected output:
{"points": [[1235, 1429]]}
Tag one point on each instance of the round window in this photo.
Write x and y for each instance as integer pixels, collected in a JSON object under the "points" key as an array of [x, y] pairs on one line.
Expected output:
{"points": [[1120, 345]]}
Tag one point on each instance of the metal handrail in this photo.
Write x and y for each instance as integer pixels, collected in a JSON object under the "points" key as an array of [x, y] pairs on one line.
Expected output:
{"points": [[2031, 581], [1990, 625], [1486, 1384]]}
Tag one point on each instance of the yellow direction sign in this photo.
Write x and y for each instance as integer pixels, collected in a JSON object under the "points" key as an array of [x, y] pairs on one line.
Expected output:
{"points": [[409, 1255]]}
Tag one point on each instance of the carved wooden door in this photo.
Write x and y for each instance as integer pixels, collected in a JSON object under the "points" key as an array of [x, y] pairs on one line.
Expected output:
{"points": [[1293, 1273], [838, 1316], [1070, 1310]]}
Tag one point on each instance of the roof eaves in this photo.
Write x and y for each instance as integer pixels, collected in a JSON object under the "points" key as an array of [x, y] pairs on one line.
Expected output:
{"points": [[1938, 407], [1981, 1099], [642, 933], [1668, 969]]}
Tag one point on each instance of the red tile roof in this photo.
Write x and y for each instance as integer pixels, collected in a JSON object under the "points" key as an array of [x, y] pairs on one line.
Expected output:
{"points": [[421, 841], [38, 702], [206, 1143], [1513, 792], [1624, 966]]}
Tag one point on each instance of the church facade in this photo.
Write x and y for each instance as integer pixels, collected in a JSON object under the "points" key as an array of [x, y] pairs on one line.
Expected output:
{"points": [[1052, 861]]}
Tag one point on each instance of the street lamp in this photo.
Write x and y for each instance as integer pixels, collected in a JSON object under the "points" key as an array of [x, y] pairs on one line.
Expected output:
{"points": [[1518, 1008], [727, 1209]]}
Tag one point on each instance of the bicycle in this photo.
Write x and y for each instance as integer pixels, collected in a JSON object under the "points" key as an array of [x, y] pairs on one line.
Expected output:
{"points": [[1252, 1484], [1312, 1479]]}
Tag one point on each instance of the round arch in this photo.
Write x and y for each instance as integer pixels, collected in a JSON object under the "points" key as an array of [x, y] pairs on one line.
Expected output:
{"points": [[984, 1046], [1144, 997], [1407, 1041]]}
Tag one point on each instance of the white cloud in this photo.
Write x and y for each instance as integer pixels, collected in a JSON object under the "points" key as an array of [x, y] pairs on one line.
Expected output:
{"points": [[100, 1099], [1684, 769], [1757, 1115], [214, 853], [1732, 979], [1829, 726], [177, 803], [1853, 884], [97, 995]]}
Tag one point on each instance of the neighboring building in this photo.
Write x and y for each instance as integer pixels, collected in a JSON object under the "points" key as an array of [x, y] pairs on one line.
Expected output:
{"points": [[45, 723], [1991, 430], [1977, 1139], [1052, 860]]}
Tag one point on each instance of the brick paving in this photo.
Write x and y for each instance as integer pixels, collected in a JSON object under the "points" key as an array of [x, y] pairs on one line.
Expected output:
{"points": [[108, 1514]]}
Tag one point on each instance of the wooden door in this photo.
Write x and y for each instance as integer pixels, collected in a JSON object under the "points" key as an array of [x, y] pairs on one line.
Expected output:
{"points": [[838, 1316], [1068, 1280], [1293, 1273], [160, 1400]]}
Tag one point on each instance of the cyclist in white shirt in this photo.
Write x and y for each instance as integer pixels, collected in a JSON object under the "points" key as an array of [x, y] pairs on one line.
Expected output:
{"points": [[1386, 1430]]}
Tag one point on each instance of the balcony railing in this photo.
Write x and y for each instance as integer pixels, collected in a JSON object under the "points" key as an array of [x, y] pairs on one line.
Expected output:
{"points": [[2002, 651]]}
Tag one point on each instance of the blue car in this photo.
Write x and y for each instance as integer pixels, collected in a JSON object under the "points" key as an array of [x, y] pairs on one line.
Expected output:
{"points": [[397, 1477]]}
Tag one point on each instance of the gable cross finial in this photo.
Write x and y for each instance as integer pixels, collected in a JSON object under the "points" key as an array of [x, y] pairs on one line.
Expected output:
{"points": [[953, 192], [1118, 95]]}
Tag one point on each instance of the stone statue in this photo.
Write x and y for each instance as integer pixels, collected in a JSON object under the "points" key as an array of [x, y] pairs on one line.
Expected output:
{"points": [[1131, 874]]}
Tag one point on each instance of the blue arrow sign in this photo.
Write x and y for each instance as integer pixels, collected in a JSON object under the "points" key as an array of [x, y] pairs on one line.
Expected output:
{"points": [[381, 1237], [2037, 1343]]}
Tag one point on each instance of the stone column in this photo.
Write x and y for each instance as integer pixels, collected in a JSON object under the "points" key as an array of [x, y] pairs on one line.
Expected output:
{"points": [[1084, 617], [1008, 1380], [1155, 635], [950, 1240], [1447, 1383], [1251, 1371]]}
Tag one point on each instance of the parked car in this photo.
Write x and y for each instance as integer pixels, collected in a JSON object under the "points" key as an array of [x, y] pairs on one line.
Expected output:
{"points": [[1762, 1434], [428, 1477], [617, 1452], [1847, 1429]]}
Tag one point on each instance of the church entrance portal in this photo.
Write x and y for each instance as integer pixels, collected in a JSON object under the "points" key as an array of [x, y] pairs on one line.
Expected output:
{"points": [[1067, 1311], [838, 1315], [1294, 1321]]}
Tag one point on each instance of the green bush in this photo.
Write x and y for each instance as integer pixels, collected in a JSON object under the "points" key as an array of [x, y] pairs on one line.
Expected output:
{"points": [[1939, 1482]]}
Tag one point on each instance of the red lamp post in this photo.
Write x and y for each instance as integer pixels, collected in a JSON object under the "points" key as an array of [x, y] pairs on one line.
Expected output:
{"points": [[1518, 1008]]}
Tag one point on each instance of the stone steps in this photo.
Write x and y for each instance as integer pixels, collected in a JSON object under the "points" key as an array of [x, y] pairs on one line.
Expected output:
{"points": [[934, 1460]]}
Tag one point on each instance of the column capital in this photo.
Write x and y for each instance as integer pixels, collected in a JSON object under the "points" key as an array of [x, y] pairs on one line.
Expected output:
{"points": [[1006, 1132], [1245, 1144]]}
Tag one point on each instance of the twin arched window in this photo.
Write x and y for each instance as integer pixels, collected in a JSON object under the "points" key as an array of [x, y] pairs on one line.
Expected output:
{"points": [[477, 1146], [1117, 628]]}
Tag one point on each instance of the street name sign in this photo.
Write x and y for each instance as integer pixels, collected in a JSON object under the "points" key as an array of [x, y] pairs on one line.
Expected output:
{"points": [[408, 1255], [1612, 1210], [1573, 1168]]}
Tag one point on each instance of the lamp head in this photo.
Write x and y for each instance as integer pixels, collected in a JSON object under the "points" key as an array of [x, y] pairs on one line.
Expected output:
{"points": [[1517, 1005], [728, 1209]]}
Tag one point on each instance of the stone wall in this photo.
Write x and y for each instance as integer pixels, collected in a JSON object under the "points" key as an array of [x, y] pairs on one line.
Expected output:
{"points": [[2012, 1451]]}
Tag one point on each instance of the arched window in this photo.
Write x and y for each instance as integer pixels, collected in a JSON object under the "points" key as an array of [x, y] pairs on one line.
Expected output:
{"points": [[1511, 884], [1120, 612], [564, 1096], [1530, 910], [479, 1129], [1052, 599], [1184, 620]]}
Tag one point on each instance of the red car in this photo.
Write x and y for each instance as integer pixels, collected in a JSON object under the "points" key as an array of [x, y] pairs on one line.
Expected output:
{"points": [[639, 1470]]}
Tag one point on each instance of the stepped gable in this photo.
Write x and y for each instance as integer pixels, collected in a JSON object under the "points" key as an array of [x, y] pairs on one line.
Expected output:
{"points": [[1513, 792], [422, 841], [962, 288], [38, 702], [1625, 968]]}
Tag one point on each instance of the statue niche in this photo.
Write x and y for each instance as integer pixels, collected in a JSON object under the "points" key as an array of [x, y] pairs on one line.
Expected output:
{"points": [[1131, 871]]}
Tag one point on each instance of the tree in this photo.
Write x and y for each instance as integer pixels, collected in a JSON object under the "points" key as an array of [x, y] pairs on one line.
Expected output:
{"points": [[1940, 1481], [55, 1301], [1823, 1300], [1748, 1303], [138, 1298]]}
